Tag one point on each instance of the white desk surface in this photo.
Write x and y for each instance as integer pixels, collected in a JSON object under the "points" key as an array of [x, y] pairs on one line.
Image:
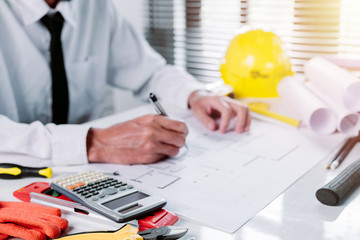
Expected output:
{"points": [[295, 214]]}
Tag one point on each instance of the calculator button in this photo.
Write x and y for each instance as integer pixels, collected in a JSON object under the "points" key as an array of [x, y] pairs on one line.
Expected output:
{"points": [[95, 198], [70, 187], [130, 187], [79, 184], [122, 188], [109, 191], [118, 185]]}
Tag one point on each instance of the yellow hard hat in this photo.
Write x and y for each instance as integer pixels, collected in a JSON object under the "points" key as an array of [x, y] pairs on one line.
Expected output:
{"points": [[254, 63]]}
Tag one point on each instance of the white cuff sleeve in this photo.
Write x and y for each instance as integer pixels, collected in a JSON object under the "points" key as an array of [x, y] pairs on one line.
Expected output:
{"points": [[37, 144], [68, 144]]}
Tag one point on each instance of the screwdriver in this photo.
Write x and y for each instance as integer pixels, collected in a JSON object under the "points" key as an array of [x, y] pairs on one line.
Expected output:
{"points": [[14, 171]]}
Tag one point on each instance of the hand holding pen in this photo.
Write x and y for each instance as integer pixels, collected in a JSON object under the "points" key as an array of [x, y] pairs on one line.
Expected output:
{"points": [[158, 108], [145, 139]]}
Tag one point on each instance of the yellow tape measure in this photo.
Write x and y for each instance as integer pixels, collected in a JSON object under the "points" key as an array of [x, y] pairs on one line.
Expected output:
{"points": [[263, 109]]}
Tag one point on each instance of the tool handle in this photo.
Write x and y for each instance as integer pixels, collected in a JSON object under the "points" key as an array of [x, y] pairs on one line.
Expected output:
{"points": [[333, 192], [14, 171]]}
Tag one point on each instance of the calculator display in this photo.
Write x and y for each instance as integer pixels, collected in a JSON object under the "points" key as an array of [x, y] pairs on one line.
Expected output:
{"points": [[122, 201]]}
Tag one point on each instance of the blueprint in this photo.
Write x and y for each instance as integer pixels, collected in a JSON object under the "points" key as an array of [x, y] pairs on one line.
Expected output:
{"points": [[223, 180]]}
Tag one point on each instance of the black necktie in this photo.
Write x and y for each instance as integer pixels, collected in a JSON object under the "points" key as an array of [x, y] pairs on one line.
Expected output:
{"points": [[60, 94]]}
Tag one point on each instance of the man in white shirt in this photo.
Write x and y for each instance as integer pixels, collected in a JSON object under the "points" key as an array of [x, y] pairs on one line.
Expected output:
{"points": [[99, 47]]}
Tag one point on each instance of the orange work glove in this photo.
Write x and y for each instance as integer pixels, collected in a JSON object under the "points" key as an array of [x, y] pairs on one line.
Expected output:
{"points": [[30, 221]]}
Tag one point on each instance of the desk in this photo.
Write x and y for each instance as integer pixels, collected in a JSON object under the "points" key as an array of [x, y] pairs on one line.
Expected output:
{"points": [[295, 214]]}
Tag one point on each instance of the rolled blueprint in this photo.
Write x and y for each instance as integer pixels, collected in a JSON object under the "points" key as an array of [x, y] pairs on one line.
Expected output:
{"points": [[340, 84], [313, 112], [344, 62], [347, 122]]}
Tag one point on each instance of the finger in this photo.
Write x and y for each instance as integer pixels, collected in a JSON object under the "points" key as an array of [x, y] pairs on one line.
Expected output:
{"points": [[171, 138], [173, 125], [147, 158], [248, 121], [243, 117], [127, 156], [169, 150], [241, 114], [205, 119], [225, 113], [158, 149], [154, 158]]}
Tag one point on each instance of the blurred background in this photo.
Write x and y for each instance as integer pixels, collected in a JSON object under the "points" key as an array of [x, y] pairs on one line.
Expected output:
{"points": [[194, 34]]}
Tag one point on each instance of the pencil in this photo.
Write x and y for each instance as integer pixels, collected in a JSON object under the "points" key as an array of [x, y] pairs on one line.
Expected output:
{"points": [[342, 153]]}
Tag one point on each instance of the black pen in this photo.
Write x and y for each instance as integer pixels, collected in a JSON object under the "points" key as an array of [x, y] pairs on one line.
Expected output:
{"points": [[158, 108]]}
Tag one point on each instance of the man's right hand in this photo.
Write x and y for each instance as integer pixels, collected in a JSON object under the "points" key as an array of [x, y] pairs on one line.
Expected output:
{"points": [[146, 139]]}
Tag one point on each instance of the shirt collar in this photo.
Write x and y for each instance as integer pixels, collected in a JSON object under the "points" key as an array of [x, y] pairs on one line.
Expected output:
{"points": [[31, 11]]}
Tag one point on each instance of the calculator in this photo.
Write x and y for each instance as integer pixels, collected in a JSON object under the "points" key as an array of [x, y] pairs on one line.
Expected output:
{"points": [[110, 197]]}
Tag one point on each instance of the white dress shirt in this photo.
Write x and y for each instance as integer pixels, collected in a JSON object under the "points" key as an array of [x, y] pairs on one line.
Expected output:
{"points": [[100, 47]]}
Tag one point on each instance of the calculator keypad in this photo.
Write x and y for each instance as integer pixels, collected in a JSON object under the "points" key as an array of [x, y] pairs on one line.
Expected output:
{"points": [[92, 184]]}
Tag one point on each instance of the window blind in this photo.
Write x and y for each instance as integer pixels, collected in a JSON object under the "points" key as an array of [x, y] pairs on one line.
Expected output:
{"points": [[194, 34]]}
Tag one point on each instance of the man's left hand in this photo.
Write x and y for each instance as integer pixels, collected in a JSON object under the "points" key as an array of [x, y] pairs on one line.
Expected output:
{"points": [[208, 107]]}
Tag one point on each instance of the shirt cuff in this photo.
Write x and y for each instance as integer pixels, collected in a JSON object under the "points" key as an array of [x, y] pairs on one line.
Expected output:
{"points": [[68, 144], [182, 96]]}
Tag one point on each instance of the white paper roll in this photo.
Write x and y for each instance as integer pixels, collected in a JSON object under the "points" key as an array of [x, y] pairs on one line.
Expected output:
{"points": [[340, 84], [313, 112], [347, 122]]}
